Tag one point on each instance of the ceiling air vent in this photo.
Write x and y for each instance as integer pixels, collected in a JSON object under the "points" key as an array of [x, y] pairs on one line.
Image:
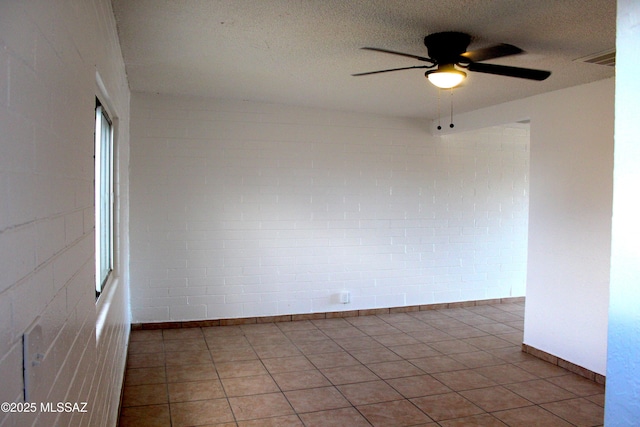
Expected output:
{"points": [[607, 57]]}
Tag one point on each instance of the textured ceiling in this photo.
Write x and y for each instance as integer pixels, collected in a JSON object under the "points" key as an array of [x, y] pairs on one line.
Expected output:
{"points": [[303, 52]]}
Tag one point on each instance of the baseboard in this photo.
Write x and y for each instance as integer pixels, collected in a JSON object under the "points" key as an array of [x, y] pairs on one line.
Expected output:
{"points": [[315, 316], [569, 366]]}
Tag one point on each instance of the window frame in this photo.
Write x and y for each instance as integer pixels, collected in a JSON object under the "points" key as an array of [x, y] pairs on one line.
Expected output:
{"points": [[104, 191]]}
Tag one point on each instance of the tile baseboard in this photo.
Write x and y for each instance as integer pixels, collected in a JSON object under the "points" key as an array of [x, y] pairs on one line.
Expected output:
{"points": [[317, 316], [565, 364]]}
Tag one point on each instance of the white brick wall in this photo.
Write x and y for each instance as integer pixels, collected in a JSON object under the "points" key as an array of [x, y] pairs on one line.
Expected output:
{"points": [[242, 209], [49, 54]]}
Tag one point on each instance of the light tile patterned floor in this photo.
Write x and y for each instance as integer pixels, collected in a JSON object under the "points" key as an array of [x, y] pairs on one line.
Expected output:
{"points": [[452, 367]]}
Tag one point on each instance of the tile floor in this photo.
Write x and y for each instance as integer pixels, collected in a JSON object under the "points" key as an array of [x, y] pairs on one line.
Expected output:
{"points": [[453, 367]]}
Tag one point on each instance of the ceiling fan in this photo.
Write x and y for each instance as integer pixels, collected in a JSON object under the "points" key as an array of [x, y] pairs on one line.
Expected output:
{"points": [[448, 50]]}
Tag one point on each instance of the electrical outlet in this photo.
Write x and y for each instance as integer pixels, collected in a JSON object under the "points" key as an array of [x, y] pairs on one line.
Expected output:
{"points": [[345, 297]]}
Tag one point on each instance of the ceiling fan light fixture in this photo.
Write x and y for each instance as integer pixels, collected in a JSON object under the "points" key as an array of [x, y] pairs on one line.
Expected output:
{"points": [[446, 76]]}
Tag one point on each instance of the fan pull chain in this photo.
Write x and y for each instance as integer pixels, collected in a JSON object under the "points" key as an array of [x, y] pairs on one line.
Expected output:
{"points": [[439, 92], [451, 121]]}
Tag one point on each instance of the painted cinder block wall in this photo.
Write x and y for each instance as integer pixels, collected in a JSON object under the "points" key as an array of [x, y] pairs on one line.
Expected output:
{"points": [[49, 55], [242, 209]]}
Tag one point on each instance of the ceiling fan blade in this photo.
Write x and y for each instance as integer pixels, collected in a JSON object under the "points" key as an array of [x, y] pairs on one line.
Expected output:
{"points": [[408, 55], [391, 69], [503, 70], [491, 52]]}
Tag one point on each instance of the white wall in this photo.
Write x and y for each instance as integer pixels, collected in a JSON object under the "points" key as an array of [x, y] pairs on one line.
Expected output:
{"points": [[622, 406], [569, 217], [570, 224], [241, 209], [49, 54]]}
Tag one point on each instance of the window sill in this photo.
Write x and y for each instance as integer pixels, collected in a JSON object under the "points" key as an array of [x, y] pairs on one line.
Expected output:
{"points": [[103, 304]]}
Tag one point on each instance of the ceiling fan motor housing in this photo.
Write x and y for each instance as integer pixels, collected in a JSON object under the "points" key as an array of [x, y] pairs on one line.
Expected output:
{"points": [[446, 47]]}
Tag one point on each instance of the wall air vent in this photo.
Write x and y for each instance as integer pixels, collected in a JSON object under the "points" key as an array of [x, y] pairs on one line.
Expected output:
{"points": [[607, 57]]}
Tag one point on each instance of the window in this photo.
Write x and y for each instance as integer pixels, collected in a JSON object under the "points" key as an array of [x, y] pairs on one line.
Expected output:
{"points": [[103, 196]]}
